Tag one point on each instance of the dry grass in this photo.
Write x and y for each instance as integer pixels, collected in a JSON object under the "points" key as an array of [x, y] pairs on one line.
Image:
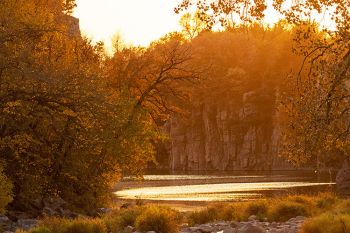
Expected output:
{"points": [[60, 225], [327, 223], [158, 219], [324, 209], [275, 209]]}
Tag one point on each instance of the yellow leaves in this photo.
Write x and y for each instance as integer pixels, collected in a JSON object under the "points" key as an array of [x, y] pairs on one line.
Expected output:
{"points": [[10, 107], [19, 143], [13, 104], [70, 113]]}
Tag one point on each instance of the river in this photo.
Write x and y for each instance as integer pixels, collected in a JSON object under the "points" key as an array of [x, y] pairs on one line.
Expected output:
{"points": [[214, 187]]}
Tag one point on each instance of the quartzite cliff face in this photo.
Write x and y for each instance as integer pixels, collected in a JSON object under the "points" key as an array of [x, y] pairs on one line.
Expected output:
{"points": [[227, 136]]}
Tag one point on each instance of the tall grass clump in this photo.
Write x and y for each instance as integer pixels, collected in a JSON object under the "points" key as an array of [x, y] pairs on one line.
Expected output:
{"points": [[86, 226], [118, 220], [40, 229], [326, 201], [257, 208], [159, 219], [206, 215], [285, 210], [327, 223], [61, 225], [342, 207]]}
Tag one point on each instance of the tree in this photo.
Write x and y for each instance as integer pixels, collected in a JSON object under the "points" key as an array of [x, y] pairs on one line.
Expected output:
{"points": [[317, 115], [53, 105], [222, 11], [191, 25], [71, 120], [316, 106], [60, 122], [154, 76]]}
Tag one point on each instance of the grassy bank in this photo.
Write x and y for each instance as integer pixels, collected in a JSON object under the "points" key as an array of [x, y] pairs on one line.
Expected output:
{"points": [[324, 209]]}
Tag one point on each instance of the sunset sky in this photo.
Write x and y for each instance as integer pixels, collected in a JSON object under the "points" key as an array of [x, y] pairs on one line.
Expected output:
{"points": [[139, 22]]}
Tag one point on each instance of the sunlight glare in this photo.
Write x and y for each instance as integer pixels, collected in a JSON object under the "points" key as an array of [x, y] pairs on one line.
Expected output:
{"points": [[139, 22]]}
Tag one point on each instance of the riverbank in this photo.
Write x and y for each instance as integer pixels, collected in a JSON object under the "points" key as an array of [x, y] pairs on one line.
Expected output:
{"points": [[290, 214]]}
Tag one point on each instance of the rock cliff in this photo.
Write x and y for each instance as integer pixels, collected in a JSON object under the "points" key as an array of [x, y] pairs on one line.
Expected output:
{"points": [[227, 135]]}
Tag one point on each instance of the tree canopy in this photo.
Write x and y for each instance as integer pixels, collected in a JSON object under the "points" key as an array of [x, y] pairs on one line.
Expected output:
{"points": [[316, 113], [71, 119]]}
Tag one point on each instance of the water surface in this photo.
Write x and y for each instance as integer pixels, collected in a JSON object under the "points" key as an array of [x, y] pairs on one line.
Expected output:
{"points": [[222, 187]]}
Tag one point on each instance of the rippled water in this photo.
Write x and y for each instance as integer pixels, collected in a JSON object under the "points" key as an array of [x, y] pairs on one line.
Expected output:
{"points": [[216, 187]]}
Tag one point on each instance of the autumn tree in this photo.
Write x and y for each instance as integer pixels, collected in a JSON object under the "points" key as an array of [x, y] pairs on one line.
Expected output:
{"points": [[65, 131], [51, 104], [316, 107], [155, 78], [71, 120], [192, 25]]}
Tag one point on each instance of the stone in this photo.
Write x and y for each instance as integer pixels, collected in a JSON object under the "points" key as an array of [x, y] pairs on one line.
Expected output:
{"points": [[48, 212], [234, 224], [273, 224], [4, 219], [229, 230], [203, 229], [252, 218], [128, 229], [300, 218], [249, 228], [15, 215], [183, 225], [54, 202], [221, 223], [5, 222], [26, 224]]}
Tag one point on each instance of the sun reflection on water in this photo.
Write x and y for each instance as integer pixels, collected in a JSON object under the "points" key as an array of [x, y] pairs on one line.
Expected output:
{"points": [[210, 192]]}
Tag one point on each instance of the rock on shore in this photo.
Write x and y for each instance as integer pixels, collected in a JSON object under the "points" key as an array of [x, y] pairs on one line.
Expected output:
{"points": [[252, 226]]}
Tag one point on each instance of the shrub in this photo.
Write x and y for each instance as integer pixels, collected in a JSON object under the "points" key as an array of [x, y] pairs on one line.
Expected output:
{"points": [[206, 215], [20, 231], [283, 211], [258, 208], [229, 212], [57, 225], [128, 217], [158, 219], [343, 207], [118, 220], [41, 229], [5, 191], [86, 226], [301, 199], [327, 223], [326, 200]]}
